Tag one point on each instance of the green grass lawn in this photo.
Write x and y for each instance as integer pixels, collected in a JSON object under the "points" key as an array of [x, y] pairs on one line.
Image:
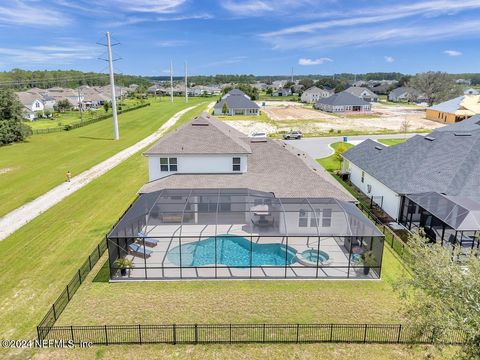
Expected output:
{"points": [[391, 142], [278, 98], [262, 116], [332, 162], [29, 169]]}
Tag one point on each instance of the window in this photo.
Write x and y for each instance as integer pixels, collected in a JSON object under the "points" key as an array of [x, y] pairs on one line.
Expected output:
{"points": [[168, 164], [314, 220], [327, 218], [236, 164], [363, 177], [302, 218]]}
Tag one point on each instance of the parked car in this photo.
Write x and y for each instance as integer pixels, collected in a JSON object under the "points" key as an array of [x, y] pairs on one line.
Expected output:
{"points": [[293, 135], [259, 134]]}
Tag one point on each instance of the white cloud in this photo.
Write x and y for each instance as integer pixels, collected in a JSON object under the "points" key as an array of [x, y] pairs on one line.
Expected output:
{"points": [[201, 16], [453, 53], [389, 59], [308, 62], [151, 6], [170, 43], [31, 14], [254, 8]]}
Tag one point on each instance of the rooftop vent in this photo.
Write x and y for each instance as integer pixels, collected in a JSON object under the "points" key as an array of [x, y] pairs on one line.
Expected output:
{"points": [[200, 124], [462, 134], [258, 140], [429, 138], [378, 147]]}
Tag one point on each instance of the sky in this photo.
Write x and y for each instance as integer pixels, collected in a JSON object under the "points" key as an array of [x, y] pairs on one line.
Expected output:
{"points": [[261, 37]]}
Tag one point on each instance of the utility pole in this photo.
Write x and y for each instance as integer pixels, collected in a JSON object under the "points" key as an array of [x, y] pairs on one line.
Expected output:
{"points": [[171, 81], [112, 85], [80, 104], [186, 83], [292, 74]]}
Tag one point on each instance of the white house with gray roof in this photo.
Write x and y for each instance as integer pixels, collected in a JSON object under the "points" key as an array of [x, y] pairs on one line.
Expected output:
{"points": [[363, 93], [342, 102], [438, 174], [313, 94], [237, 103]]}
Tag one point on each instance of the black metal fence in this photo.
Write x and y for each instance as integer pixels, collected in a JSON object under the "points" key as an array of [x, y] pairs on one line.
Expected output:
{"points": [[59, 305], [244, 333], [80, 124]]}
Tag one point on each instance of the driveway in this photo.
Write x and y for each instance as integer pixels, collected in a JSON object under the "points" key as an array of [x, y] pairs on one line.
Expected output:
{"points": [[318, 147]]}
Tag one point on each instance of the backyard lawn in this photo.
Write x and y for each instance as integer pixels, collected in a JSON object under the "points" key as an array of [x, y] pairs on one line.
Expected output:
{"points": [[332, 162], [29, 169], [391, 142]]}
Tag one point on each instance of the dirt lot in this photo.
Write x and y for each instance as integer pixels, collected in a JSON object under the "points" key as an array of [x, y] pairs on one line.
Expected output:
{"points": [[287, 115]]}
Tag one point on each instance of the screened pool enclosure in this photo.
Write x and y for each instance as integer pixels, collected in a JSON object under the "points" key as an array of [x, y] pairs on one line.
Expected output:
{"points": [[242, 233]]}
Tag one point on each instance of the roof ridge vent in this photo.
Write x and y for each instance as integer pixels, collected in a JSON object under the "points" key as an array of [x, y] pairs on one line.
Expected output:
{"points": [[429, 138], [462, 134], [378, 147]]}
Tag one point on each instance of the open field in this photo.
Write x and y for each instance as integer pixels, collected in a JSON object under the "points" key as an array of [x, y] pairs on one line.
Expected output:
{"points": [[29, 169], [332, 162], [383, 119], [391, 142], [39, 259]]}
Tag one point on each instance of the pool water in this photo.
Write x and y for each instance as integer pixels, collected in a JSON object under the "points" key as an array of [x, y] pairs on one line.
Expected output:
{"points": [[231, 251], [314, 255]]}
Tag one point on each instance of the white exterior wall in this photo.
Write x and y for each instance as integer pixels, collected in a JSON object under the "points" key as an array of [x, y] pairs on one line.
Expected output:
{"points": [[194, 164], [391, 200], [291, 221]]}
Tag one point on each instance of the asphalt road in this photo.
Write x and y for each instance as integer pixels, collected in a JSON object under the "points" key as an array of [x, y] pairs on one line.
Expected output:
{"points": [[318, 147]]}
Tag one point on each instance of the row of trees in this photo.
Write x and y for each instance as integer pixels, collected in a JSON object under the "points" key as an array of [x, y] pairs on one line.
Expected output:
{"points": [[12, 128], [247, 89]]}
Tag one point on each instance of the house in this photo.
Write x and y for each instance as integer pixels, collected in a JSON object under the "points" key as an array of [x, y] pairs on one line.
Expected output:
{"points": [[32, 104], [313, 94], [471, 91], [431, 181], [342, 102], [282, 92], [454, 110], [237, 103], [222, 205], [363, 93], [405, 93]]}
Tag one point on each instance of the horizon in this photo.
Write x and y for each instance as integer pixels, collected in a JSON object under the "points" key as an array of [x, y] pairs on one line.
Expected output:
{"points": [[258, 37]]}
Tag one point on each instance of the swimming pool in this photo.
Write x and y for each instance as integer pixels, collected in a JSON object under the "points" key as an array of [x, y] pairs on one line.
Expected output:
{"points": [[231, 251], [313, 257]]}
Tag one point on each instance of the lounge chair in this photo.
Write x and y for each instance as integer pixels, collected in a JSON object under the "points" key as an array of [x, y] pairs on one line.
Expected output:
{"points": [[148, 241], [140, 250]]}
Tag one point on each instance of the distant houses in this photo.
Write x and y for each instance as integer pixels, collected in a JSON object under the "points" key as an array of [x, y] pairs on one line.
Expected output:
{"points": [[32, 103], [313, 94], [455, 110], [363, 93], [343, 102], [406, 94], [282, 92], [236, 102]]}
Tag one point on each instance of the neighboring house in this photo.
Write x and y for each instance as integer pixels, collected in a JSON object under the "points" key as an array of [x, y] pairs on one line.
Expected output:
{"points": [[313, 94], [429, 181], [471, 91], [32, 104], [382, 88], [359, 83], [238, 103], [454, 110], [363, 93], [282, 92], [404, 93], [222, 205], [342, 102]]}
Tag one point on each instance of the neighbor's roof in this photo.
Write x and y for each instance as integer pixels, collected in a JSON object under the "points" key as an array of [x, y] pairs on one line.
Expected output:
{"points": [[27, 98], [404, 89], [343, 98], [273, 166], [358, 90], [204, 135], [468, 105], [446, 161], [236, 99]]}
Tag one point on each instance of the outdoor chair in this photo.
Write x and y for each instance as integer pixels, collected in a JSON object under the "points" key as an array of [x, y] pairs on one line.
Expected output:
{"points": [[140, 250], [148, 241]]}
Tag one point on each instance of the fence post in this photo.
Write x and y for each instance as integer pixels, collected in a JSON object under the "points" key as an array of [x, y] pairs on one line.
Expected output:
{"points": [[399, 333], [54, 312], [89, 262], [98, 250], [79, 276], [38, 334], [140, 333], [331, 332], [196, 334], [106, 335], [433, 335], [230, 333], [174, 333], [68, 293], [263, 336], [365, 334], [71, 333], [298, 330]]}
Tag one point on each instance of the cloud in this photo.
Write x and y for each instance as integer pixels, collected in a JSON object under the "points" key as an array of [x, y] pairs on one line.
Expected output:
{"points": [[171, 43], [308, 62], [389, 59], [201, 16], [19, 12], [253, 8], [453, 53], [151, 6]]}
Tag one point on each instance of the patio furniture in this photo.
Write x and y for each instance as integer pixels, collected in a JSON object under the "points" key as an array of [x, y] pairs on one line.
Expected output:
{"points": [[148, 241], [139, 249], [262, 221]]}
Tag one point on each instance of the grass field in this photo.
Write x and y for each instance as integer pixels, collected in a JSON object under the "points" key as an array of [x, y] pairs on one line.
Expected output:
{"points": [[29, 169], [260, 117], [391, 142], [332, 162], [39, 259]]}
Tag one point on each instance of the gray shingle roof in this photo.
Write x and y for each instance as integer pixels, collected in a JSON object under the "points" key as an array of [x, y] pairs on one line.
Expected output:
{"points": [[343, 98], [449, 106], [273, 166], [402, 90], [358, 90], [204, 135], [236, 99], [450, 164]]}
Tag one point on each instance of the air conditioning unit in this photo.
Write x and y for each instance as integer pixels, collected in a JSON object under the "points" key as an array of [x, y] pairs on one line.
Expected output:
{"points": [[369, 188]]}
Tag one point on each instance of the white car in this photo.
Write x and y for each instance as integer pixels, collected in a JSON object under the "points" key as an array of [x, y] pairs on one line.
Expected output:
{"points": [[259, 134]]}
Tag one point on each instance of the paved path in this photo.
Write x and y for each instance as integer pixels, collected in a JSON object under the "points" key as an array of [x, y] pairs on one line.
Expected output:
{"points": [[15, 219], [318, 147]]}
